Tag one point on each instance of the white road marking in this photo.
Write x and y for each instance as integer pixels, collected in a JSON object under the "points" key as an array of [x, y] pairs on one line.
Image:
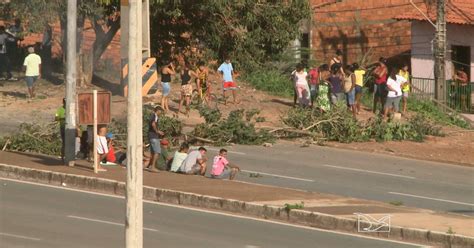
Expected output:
{"points": [[106, 222], [19, 236], [367, 171], [430, 198], [275, 175], [220, 213]]}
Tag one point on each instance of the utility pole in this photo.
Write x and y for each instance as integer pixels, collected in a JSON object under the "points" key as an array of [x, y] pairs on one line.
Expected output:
{"points": [[440, 52], [70, 139], [134, 193]]}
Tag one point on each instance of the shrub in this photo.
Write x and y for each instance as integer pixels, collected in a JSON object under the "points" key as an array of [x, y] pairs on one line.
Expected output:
{"points": [[339, 125], [33, 137], [236, 128]]}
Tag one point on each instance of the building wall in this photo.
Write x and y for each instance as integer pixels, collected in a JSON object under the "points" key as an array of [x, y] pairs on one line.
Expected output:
{"points": [[422, 60], [360, 28]]}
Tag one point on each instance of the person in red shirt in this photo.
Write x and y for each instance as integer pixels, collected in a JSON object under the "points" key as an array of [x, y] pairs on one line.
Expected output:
{"points": [[380, 86], [111, 158], [313, 84]]}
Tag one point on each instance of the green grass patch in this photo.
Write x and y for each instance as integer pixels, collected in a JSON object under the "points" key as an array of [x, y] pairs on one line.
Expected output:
{"points": [[271, 81]]}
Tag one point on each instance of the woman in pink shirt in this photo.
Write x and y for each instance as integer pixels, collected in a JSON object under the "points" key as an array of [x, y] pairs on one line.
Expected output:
{"points": [[221, 168]]}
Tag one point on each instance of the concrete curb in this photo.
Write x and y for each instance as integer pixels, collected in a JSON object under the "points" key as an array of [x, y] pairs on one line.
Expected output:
{"points": [[295, 216]]}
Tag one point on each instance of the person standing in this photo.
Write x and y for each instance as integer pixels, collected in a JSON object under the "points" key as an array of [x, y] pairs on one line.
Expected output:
{"points": [[301, 86], [380, 86], [13, 48], [394, 87], [323, 101], [349, 89], [359, 85], [202, 83], [60, 117], [186, 88], [5, 65], [32, 65], [313, 84], [102, 147], [166, 72], [154, 134], [337, 62], [405, 87], [462, 87], [221, 168], [227, 72], [335, 83]]}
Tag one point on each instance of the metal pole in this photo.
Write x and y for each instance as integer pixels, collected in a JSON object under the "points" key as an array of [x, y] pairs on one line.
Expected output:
{"points": [[134, 193], [440, 52], [70, 139]]}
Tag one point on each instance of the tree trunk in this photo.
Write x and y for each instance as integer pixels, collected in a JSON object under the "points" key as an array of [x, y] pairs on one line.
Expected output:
{"points": [[103, 39]]}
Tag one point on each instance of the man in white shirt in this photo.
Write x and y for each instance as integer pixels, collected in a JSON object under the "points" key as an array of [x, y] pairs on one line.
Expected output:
{"points": [[32, 65], [394, 87], [102, 147], [195, 162]]}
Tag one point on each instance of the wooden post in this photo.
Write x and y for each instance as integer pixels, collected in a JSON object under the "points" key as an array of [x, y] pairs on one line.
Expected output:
{"points": [[134, 192], [70, 139], [94, 110]]}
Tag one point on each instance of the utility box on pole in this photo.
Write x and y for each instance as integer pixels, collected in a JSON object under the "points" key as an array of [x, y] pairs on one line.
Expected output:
{"points": [[440, 52]]}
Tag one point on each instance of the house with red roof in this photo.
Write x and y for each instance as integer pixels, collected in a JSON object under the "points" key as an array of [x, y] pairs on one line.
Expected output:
{"points": [[460, 38]]}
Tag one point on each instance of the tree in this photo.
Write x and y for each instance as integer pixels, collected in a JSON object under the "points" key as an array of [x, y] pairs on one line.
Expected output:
{"points": [[103, 14], [250, 31]]}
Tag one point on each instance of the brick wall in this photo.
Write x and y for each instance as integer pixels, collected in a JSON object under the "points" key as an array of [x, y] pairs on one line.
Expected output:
{"points": [[361, 27]]}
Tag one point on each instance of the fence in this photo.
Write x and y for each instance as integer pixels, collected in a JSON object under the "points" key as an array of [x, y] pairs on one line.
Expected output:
{"points": [[458, 97]]}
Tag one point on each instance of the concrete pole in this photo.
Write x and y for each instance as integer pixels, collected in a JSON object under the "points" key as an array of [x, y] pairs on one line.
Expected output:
{"points": [[440, 53], [134, 193], [70, 141]]}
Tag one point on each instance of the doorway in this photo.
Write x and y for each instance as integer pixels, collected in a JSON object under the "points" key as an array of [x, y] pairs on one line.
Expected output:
{"points": [[461, 57]]}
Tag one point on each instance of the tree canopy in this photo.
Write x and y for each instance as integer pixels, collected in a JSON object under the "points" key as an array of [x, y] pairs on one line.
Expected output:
{"points": [[251, 32]]}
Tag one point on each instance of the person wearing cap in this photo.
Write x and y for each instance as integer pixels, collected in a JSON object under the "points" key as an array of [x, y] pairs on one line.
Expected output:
{"points": [[165, 157], [32, 65]]}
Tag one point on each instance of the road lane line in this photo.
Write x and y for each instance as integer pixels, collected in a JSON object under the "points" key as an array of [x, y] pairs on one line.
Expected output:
{"points": [[219, 213], [275, 175], [19, 236], [368, 171], [434, 199], [106, 222]]}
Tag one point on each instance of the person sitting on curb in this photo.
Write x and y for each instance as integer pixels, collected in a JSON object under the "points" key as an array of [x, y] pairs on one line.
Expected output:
{"points": [[102, 147], [111, 158], [179, 157], [221, 168], [165, 157], [195, 162]]}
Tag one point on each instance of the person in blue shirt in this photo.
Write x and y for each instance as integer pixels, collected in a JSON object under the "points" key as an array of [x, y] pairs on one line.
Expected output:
{"points": [[227, 72]]}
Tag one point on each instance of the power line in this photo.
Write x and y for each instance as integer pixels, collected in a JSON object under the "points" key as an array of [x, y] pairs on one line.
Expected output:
{"points": [[365, 9]]}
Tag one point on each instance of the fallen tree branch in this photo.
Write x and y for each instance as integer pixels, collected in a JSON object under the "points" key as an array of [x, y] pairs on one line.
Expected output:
{"points": [[6, 144]]}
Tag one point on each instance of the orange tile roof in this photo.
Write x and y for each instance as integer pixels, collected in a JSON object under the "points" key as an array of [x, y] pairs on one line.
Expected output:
{"points": [[457, 12]]}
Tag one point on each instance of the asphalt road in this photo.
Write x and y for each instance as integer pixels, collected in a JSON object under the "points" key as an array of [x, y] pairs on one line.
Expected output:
{"points": [[40, 216], [416, 183]]}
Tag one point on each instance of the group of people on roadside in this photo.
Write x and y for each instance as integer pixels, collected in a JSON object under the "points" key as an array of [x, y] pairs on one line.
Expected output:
{"points": [[200, 73], [331, 84], [185, 160]]}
